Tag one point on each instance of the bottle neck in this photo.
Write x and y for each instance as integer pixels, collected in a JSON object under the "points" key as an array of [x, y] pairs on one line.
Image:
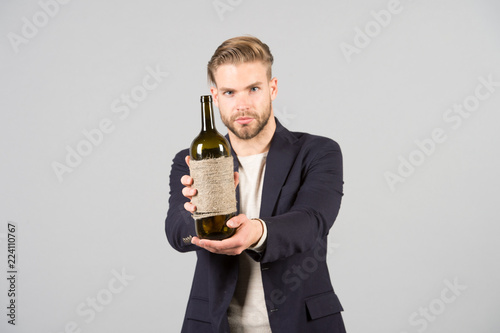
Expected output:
{"points": [[207, 114]]}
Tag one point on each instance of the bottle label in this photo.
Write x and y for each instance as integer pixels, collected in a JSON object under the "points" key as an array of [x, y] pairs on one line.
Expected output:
{"points": [[214, 180]]}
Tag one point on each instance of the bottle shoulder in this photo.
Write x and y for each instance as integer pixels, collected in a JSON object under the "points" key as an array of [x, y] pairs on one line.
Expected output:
{"points": [[209, 145]]}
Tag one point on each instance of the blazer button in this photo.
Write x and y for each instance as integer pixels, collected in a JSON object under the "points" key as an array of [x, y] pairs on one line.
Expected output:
{"points": [[273, 310], [264, 268]]}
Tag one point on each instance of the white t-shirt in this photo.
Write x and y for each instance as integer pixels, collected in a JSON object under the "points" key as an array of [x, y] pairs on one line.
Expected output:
{"points": [[247, 311]]}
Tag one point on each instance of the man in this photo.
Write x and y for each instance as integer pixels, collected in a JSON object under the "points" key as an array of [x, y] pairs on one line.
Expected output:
{"points": [[271, 275]]}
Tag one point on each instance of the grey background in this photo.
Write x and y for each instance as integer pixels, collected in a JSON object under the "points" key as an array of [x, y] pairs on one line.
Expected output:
{"points": [[393, 252]]}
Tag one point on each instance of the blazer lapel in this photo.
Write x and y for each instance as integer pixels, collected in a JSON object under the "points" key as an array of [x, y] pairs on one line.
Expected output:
{"points": [[280, 158], [282, 153]]}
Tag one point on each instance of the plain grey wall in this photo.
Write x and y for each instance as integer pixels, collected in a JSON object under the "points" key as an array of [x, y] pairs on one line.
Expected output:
{"points": [[409, 89]]}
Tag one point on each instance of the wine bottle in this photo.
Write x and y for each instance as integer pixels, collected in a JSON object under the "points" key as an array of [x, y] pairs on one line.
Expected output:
{"points": [[209, 147]]}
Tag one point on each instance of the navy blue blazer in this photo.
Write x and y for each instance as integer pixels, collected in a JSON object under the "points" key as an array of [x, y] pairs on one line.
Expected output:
{"points": [[301, 198]]}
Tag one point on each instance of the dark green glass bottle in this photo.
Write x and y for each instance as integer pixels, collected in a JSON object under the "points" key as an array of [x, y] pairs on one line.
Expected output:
{"points": [[207, 145]]}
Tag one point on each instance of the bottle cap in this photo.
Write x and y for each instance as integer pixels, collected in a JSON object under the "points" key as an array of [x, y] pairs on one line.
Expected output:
{"points": [[206, 98]]}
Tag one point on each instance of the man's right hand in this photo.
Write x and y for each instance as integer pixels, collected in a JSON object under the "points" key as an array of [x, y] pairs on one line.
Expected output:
{"points": [[188, 191]]}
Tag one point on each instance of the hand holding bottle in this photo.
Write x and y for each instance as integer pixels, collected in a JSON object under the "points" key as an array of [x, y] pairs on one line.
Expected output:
{"points": [[248, 233]]}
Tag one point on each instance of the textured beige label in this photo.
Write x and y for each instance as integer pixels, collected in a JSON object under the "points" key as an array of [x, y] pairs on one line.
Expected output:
{"points": [[214, 180]]}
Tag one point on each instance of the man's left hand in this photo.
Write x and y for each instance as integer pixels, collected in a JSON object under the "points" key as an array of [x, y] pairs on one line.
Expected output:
{"points": [[248, 233]]}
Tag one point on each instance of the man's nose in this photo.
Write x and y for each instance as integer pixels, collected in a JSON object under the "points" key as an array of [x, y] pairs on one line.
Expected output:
{"points": [[242, 102]]}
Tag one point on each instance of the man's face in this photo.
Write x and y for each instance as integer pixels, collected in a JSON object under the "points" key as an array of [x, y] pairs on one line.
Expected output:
{"points": [[243, 95]]}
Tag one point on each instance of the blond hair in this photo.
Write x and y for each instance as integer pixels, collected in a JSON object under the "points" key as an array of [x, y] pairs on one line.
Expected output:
{"points": [[239, 50]]}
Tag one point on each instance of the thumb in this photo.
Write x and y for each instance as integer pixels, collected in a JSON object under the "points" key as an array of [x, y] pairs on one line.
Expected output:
{"points": [[234, 222], [236, 178]]}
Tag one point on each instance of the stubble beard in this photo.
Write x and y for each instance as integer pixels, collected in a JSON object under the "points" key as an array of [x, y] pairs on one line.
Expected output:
{"points": [[247, 131]]}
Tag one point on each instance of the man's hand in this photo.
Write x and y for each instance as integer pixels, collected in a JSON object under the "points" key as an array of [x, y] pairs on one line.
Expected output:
{"points": [[248, 233], [189, 191]]}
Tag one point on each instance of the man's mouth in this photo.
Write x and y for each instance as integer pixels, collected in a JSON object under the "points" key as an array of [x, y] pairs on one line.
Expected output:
{"points": [[244, 120]]}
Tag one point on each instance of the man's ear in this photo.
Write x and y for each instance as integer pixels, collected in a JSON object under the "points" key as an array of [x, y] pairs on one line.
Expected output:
{"points": [[215, 95], [273, 87]]}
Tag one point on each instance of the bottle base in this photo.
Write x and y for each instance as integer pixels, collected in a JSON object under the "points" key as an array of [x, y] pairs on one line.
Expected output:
{"points": [[214, 227]]}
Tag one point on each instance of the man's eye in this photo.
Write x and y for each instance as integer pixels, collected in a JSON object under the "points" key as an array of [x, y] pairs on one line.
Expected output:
{"points": [[254, 89], [228, 93]]}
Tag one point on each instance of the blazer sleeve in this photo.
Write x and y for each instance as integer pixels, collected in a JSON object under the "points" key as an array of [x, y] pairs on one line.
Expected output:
{"points": [[179, 224], [306, 211]]}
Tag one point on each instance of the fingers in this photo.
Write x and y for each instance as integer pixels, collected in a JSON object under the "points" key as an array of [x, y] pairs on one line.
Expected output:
{"points": [[187, 159], [186, 180], [189, 207], [247, 233], [230, 246], [188, 192]]}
